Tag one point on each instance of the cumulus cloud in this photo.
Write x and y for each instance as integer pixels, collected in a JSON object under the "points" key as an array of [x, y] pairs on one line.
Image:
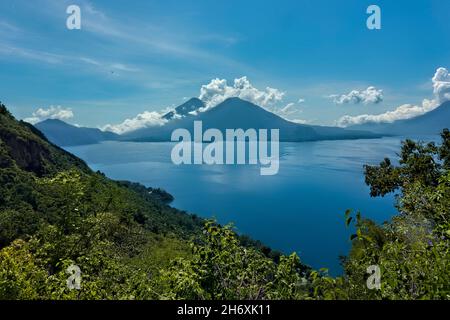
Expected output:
{"points": [[270, 99], [57, 112], [212, 94], [441, 85], [441, 91], [371, 95], [142, 120], [218, 91]]}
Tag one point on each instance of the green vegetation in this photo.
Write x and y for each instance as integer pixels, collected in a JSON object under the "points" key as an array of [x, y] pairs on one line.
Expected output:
{"points": [[129, 244], [413, 250], [54, 212]]}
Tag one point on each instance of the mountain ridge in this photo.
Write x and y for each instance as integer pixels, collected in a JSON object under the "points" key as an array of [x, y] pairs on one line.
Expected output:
{"points": [[235, 113], [184, 109], [431, 122], [64, 134]]}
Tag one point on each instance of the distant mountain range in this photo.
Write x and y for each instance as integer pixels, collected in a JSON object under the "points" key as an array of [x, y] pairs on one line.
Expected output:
{"points": [[64, 134], [429, 123], [235, 113]]}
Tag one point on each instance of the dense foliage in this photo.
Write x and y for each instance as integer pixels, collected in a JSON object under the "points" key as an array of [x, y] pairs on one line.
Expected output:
{"points": [[413, 250], [130, 244], [54, 212]]}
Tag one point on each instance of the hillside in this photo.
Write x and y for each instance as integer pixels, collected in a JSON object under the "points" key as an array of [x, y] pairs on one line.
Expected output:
{"points": [[24, 147], [55, 212], [64, 134], [430, 123], [235, 113], [26, 152]]}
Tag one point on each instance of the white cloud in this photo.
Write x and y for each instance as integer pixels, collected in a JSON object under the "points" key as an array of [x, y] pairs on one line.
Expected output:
{"points": [[107, 67], [441, 85], [58, 112], [123, 67], [287, 112], [40, 56], [142, 120], [367, 96], [403, 112], [288, 109], [441, 91], [218, 91], [300, 121], [213, 94], [270, 99], [153, 38]]}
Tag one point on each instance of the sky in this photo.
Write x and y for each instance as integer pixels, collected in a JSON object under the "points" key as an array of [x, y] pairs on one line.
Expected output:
{"points": [[310, 61]]}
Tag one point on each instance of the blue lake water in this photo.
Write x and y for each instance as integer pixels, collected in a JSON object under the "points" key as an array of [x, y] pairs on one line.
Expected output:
{"points": [[300, 209]]}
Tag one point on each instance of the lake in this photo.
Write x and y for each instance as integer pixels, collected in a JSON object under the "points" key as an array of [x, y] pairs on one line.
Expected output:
{"points": [[300, 209]]}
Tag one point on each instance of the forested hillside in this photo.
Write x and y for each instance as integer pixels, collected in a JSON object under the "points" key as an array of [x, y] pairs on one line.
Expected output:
{"points": [[55, 211], [130, 244]]}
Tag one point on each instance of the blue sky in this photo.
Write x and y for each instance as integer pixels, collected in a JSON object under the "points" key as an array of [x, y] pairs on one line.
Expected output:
{"points": [[136, 56]]}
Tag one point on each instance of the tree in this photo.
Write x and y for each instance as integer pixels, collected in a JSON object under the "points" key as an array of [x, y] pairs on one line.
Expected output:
{"points": [[413, 250]]}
